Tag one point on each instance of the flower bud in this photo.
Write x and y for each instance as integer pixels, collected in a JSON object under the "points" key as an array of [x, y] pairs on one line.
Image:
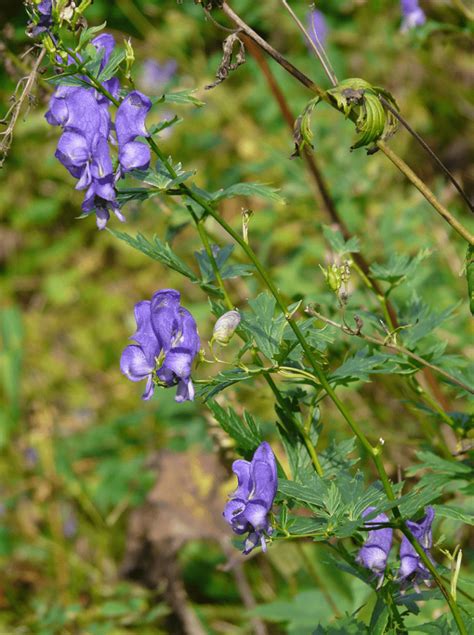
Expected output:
{"points": [[225, 327]]}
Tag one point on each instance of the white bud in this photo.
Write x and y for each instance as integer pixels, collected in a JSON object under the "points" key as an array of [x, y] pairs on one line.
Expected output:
{"points": [[225, 327]]}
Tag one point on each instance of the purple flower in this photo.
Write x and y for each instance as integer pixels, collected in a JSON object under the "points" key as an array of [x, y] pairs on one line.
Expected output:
{"points": [[130, 124], [155, 76], [248, 507], [45, 21], [411, 565], [317, 27], [376, 548], [106, 43], [167, 343], [413, 15]]}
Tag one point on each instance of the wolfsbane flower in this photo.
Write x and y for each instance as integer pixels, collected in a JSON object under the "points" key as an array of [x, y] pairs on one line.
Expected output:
{"points": [[167, 342], [413, 15], [249, 505], [374, 552], [84, 149], [411, 565]]}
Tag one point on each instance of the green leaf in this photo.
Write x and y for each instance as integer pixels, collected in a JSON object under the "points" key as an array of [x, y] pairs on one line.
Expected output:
{"points": [[157, 250], [347, 625], [181, 97], [399, 267], [263, 326], [88, 34], [455, 513], [222, 381], [221, 256], [244, 430], [302, 493], [248, 189], [337, 242], [112, 66]]}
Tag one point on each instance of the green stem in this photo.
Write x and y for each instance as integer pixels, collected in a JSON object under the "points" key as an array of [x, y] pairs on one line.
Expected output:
{"points": [[301, 430]]}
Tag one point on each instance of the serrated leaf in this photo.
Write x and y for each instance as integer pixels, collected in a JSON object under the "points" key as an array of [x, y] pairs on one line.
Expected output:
{"points": [[222, 381], [116, 58], [88, 34], [337, 242], [221, 256], [455, 513], [157, 250], [398, 267], [302, 493], [244, 430], [248, 189], [262, 324]]}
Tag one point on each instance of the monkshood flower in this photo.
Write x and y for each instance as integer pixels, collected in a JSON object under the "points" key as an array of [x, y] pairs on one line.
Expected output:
{"points": [[317, 27], [155, 76], [225, 327], [167, 342], [130, 124], [45, 21], [413, 15], [376, 548], [411, 565], [248, 507], [84, 149]]}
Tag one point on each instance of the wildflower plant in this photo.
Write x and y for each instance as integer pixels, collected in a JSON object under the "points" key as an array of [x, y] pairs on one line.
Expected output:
{"points": [[292, 484]]}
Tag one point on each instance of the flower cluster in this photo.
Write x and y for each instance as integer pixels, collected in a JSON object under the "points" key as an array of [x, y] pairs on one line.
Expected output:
{"points": [[374, 552], [413, 15], [249, 505], [84, 147], [167, 342]]}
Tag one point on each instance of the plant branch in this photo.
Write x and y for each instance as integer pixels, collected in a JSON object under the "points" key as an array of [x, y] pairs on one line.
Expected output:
{"points": [[306, 81]]}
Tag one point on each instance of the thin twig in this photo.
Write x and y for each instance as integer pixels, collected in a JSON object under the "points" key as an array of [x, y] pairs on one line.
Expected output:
{"points": [[17, 107], [423, 143], [390, 345], [317, 48]]}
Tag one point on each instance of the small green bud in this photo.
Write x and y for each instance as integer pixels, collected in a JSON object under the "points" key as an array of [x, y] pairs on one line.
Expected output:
{"points": [[225, 327], [129, 58]]}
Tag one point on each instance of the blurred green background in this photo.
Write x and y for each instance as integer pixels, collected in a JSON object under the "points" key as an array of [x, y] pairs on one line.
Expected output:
{"points": [[79, 451]]}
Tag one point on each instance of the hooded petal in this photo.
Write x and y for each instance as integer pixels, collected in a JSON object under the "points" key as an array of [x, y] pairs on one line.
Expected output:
{"points": [[134, 364], [410, 561], [264, 474], [134, 155], [241, 469], [130, 118], [73, 150], [104, 42], [165, 317]]}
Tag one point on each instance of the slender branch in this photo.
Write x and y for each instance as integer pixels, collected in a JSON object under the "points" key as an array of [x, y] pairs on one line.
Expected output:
{"points": [[394, 347], [423, 143], [426, 192]]}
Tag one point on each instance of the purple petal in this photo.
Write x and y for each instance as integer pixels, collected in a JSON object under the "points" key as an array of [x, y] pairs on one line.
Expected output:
{"points": [[134, 155], [241, 469], [104, 42], [134, 364], [185, 391], [73, 150], [130, 118], [165, 318]]}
